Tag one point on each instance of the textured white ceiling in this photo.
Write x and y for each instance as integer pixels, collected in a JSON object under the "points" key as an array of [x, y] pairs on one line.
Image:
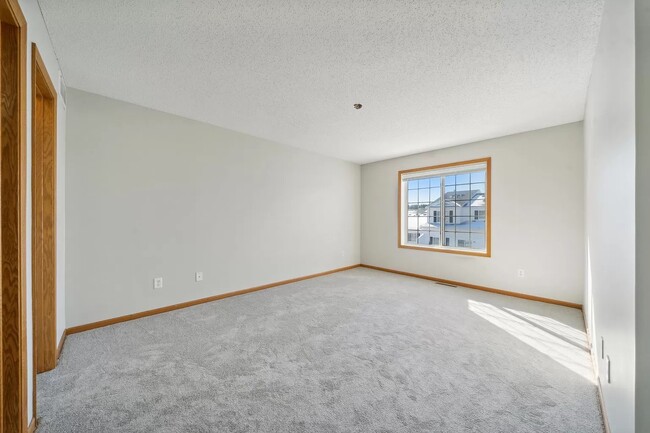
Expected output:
{"points": [[429, 74]]}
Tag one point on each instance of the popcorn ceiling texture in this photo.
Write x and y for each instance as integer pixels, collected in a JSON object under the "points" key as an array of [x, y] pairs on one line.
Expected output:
{"points": [[356, 351], [429, 73]]}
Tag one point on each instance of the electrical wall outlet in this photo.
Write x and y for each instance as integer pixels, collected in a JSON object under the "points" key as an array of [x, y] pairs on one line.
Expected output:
{"points": [[158, 283], [521, 273], [198, 276]]}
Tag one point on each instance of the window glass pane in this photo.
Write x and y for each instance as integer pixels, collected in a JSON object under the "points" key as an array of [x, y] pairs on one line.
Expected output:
{"points": [[413, 195], [450, 192], [477, 213], [423, 195], [412, 223], [450, 180], [477, 204], [464, 189], [423, 183], [449, 219], [462, 240], [434, 194], [435, 182], [462, 224], [478, 188], [478, 241], [478, 176], [412, 184], [434, 216], [477, 225], [424, 239], [450, 239], [462, 178]]}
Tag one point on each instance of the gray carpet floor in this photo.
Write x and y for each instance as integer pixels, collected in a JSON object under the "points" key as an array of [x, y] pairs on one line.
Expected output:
{"points": [[356, 351]]}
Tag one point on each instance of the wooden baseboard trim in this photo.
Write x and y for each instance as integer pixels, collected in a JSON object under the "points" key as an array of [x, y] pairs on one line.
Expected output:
{"points": [[32, 426], [102, 323], [476, 287], [59, 348]]}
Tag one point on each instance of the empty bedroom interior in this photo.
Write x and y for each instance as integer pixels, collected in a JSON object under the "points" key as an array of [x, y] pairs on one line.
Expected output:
{"points": [[340, 216]]}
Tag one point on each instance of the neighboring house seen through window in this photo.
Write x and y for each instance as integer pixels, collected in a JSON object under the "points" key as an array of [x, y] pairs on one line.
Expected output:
{"points": [[461, 193]]}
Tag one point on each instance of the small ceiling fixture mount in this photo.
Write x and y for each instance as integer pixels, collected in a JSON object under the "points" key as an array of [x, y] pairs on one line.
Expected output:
{"points": [[358, 106]]}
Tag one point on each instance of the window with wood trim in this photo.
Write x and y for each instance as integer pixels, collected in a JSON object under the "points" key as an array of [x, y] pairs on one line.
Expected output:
{"points": [[460, 193]]}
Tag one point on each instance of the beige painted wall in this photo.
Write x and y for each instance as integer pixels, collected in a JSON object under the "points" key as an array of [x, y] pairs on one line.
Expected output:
{"points": [[537, 215], [152, 194], [610, 229]]}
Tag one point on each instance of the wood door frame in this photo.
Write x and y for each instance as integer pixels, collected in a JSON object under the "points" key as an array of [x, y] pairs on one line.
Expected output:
{"points": [[44, 151], [13, 342]]}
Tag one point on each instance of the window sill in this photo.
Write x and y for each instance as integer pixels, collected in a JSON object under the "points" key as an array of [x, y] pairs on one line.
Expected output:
{"points": [[447, 250]]}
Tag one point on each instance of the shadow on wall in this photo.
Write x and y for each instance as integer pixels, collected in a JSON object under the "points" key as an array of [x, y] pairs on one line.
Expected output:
{"points": [[562, 343]]}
